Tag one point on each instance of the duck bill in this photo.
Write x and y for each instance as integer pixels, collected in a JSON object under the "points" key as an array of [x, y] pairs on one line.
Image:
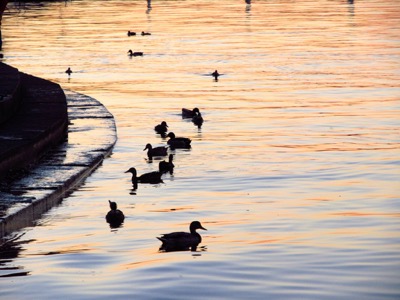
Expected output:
{"points": [[202, 228]]}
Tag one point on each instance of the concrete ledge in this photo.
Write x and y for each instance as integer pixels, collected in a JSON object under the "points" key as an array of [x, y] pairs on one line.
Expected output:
{"points": [[40, 121], [63, 168], [9, 92]]}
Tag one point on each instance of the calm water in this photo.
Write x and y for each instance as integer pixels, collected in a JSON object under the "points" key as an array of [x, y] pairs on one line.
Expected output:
{"points": [[295, 172]]}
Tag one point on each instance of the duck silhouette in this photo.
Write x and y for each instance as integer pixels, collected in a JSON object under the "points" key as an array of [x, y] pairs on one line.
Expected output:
{"points": [[157, 151], [146, 33], [180, 241], [166, 166], [114, 217], [178, 142], [131, 53], [161, 128], [215, 74], [198, 120], [189, 113], [68, 71], [131, 33], [151, 177]]}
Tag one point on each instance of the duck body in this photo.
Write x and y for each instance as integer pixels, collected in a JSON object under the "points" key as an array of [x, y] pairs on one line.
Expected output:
{"points": [[131, 33], [180, 241], [151, 177], [146, 33], [68, 71], [166, 166], [178, 142], [114, 217], [215, 74], [157, 151], [131, 53], [189, 113], [161, 128], [198, 120]]}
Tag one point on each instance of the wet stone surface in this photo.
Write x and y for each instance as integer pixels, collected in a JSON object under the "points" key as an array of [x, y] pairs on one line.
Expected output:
{"points": [[91, 136]]}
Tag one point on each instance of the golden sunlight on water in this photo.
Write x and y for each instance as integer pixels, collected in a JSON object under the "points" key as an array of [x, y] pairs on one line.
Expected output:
{"points": [[294, 173]]}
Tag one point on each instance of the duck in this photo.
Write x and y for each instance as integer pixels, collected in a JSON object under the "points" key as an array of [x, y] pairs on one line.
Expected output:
{"points": [[198, 120], [157, 151], [146, 33], [178, 142], [68, 71], [166, 166], [215, 74], [152, 177], [189, 113], [131, 33], [161, 128], [131, 53], [114, 217], [179, 241]]}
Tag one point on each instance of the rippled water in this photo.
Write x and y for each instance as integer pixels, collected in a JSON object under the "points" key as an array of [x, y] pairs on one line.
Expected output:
{"points": [[295, 172]]}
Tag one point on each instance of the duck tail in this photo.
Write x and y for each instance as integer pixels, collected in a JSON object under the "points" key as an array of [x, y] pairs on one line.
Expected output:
{"points": [[161, 239]]}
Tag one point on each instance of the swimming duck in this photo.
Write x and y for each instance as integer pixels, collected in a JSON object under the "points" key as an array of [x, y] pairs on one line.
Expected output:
{"points": [[215, 74], [130, 33], [198, 120], [152, 177], [69, 71], [131, 53], [114, 217], [189, 113], [161, 128], [178, 241], [146, 33], [166, 166], [157, 151], [178, 142]]}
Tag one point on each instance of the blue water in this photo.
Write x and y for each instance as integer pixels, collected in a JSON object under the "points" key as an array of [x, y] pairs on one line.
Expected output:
{"points": [[295, 172]]}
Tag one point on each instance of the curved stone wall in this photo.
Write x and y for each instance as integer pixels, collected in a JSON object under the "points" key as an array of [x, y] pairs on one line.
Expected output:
{"points": [[39, 120]]}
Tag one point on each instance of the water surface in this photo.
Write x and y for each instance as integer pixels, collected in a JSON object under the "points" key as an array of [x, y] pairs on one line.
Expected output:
{"points": [[295, 172]]}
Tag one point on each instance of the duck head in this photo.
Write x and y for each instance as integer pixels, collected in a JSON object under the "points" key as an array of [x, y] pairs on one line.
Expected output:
{"points": [[163, 123], [195, 225], [148, 146], [171, 135], [132, 170], [113, 205]]}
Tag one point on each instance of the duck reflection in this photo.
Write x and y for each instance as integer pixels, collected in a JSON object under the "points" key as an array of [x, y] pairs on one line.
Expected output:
{"points": [[248, 5], [182, 241], [351, 7], [10, 249], [114, 217], [148, 7]]}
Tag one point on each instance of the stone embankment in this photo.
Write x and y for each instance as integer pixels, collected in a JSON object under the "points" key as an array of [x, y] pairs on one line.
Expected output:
{"points": [[58, 138]]}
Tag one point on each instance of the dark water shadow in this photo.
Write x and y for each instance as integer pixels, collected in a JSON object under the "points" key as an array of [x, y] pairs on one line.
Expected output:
{"points": [[9, 250]]}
